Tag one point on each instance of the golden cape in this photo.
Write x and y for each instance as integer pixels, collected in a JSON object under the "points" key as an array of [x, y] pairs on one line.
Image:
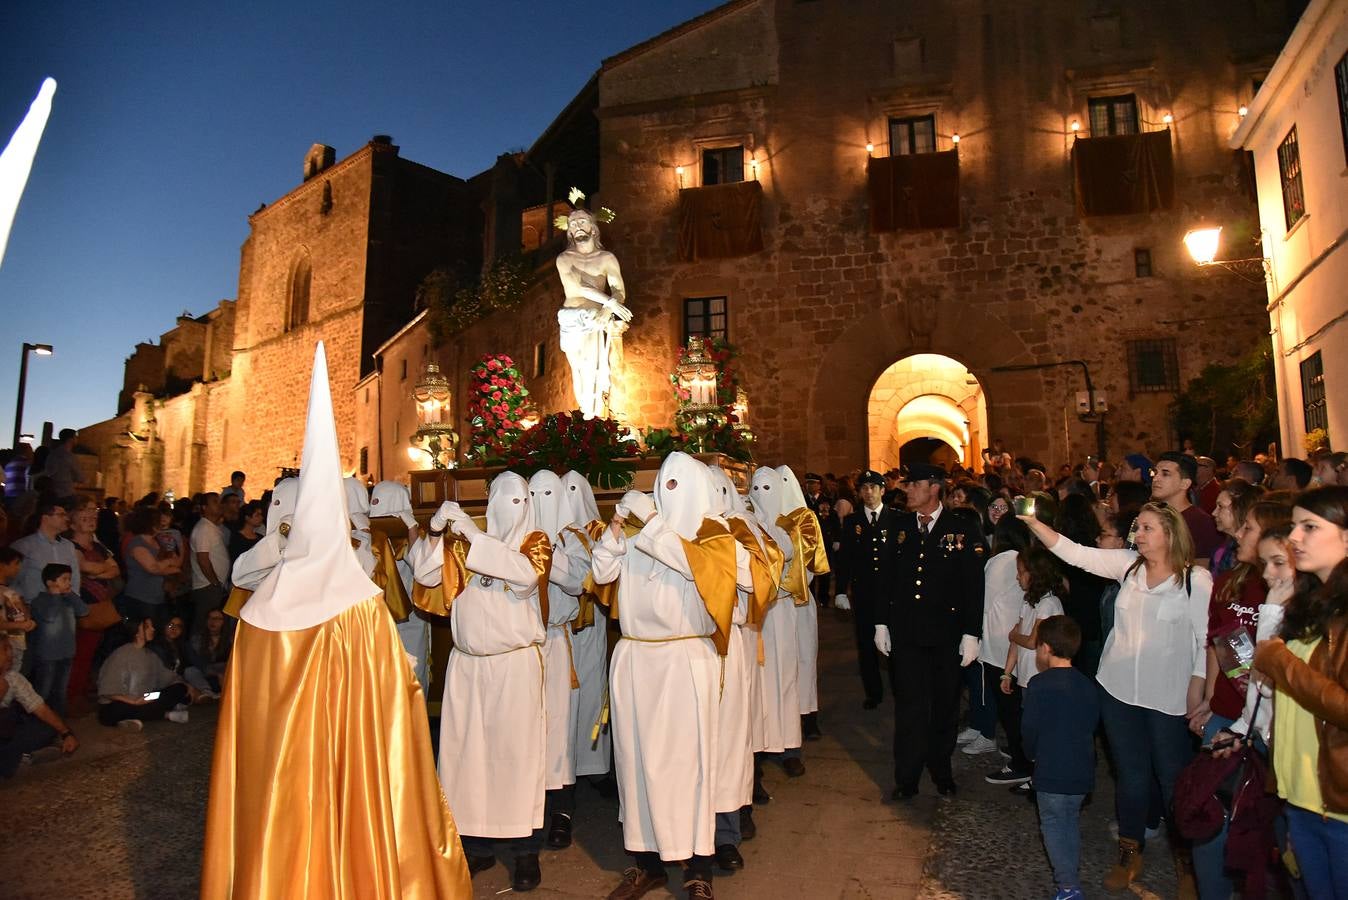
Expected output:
{"points": [[322, 783], [454, 574], [388, 543], [807, 540], [765, 565], [711, 556]]}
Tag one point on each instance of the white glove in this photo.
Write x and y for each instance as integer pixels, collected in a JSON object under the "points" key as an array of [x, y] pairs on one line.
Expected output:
{"points": [[448, 510], [882, 639], [635, 503], [968, 649], [464, 527], [840, 601]]}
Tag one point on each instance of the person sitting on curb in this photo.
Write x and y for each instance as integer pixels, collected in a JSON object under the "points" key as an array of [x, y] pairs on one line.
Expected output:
{"points": [[28, 726], [135, 685]]}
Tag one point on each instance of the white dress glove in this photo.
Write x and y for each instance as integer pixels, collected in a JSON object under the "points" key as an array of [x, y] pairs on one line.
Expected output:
{"points": [[882, 639], [968, 649], [635, 503], [448, 510], [464, 526], [840, 601]]}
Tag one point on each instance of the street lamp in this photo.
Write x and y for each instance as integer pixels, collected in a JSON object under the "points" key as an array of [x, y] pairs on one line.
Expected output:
{"points": [[435, 436], [1202, 244], [40, 350]]}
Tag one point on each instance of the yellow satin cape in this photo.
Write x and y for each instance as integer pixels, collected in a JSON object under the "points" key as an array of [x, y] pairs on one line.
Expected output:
{"points": [[454, 574], [388, 543], [323, 785], [807, 540], [765, 565], [711, 556], [607, 594]]}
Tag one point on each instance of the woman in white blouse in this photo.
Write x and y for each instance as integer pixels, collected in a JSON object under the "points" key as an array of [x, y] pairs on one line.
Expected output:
{"points": [[1153, 665]]}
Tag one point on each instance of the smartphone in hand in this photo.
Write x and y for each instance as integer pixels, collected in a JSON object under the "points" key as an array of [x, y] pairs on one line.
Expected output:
{"points": [[151, 695], [1024, 506]]}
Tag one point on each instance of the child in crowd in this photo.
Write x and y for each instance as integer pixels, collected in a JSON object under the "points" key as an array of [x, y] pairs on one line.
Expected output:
{"points": [[15, 622], [55, 609], [1058, 730], [1038, 576]]}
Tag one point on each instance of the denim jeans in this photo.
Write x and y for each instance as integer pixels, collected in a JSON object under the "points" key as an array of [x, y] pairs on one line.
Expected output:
{"points": [[1059, 824], [982, 701], [1146, 744], [1210, 857], [1321, 848], [51, 680]]}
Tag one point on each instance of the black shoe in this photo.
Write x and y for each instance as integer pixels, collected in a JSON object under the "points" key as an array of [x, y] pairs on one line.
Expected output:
{"points": [[903, 793], [606, 786], [748, 830], [809, 727], [559, 835], [946, 788], [793, 766], [870, 703], [1024, 789], [728, 858], [761, 795], [527, 876], [1006, 775], [480, 864]]}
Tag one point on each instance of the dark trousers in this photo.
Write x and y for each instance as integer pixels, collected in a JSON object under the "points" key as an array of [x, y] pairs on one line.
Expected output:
{"points": [[1146, 745], [561, 800], [30, 733], [115, 711], [868, 658], [699, 867], [1008, 713], [529, 845], [822, 589], [926, 683]]}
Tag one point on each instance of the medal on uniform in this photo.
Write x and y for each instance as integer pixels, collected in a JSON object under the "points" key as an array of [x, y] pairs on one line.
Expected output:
{"points": [[959, 542], [903, 536], [487, 581], [858, 529]]}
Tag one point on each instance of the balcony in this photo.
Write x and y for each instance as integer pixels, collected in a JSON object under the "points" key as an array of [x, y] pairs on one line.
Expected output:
{"points": [[1123, 174], [914, 191], [720, 221]]}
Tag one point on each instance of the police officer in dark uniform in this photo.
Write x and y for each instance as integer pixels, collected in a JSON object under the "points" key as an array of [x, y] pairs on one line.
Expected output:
{"points": [[929, 628], [862, 575]]}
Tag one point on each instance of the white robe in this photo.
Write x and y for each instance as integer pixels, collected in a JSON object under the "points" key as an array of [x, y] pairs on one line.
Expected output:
{"points": [[779, 685], [807, 650], [663, 695], [492, 721], [734, 756], [570, 565], [589, 651]]}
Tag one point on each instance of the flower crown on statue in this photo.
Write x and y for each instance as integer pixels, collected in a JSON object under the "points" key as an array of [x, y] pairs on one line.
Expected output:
{"points": [[603, 217]]}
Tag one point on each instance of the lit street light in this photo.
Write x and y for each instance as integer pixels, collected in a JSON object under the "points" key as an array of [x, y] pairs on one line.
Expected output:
{"points": [[40, 350]]}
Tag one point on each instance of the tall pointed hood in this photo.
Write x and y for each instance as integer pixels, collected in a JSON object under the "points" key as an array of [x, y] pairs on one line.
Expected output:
{"points": [[765, 492], [683, 494], [792, 497], [583, 508], [318, 575], [547, 498]]}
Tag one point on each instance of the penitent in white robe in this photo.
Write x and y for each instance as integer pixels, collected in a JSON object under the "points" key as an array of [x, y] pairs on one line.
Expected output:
{"points": [[589, 650], [492, 722], [663, 687], [807, 651], [779, 685], [734, 756], [570, 565]]}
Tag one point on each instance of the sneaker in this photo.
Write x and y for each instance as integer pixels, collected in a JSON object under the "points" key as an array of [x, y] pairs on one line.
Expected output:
{"points": [[979, 745], [1024, 789], [967, 735], [1069, 893], [1006, 775], [177, 715], [43, 755], [131, 724]]}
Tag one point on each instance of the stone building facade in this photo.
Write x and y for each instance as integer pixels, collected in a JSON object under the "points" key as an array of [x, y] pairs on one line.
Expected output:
{"points": [[844, 190]]}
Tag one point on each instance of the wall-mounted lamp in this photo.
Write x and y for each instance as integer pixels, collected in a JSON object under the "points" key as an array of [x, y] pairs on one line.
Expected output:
{"points": [[870, 148], [1167, 118], [955, 138], [1243, 111], [1202, 244], [753, 168], [1076, 126], [678, 171]]}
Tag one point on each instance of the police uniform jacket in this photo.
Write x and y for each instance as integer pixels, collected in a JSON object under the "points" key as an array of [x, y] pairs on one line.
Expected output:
{"points": [[936, 592], [864, 564]]}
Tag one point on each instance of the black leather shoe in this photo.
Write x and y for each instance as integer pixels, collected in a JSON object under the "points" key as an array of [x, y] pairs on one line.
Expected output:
{"points": [[606, 786], [809, 727], [527, 875], [480, 864], [748, 830], [761, 795], [793, 766], [728, 858], [946, 789], [559, 835], [903, 793], [870, 703]]}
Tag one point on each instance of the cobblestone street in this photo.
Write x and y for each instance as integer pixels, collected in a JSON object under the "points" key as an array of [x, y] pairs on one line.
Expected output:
{"points": [[123, 818]]}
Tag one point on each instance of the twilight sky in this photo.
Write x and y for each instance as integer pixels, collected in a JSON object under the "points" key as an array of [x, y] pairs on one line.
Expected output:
{"points": [[174, 119]]}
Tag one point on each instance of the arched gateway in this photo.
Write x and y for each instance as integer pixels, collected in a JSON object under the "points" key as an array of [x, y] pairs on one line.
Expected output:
{"points": [[921, 399]]}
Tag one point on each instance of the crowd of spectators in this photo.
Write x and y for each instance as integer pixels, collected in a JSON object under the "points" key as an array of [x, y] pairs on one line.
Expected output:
{"points": [[111, 608]]}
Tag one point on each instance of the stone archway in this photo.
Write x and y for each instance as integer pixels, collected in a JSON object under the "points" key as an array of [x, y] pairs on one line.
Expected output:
{"points": [[926, 395]]}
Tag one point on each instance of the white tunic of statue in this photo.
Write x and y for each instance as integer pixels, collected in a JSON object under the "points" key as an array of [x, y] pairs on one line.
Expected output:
{"points": [[389, 499], [570, 565], [593, 316], [665, 674], [492, 723], [807, 616], [589, 652], [734, 754], [780, 685]]}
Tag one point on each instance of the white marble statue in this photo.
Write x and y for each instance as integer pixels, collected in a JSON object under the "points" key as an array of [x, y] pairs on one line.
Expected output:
{"points": [[593, 317]]}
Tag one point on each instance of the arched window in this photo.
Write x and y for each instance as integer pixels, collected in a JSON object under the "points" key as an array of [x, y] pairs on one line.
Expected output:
{"points": [[297, 310]]}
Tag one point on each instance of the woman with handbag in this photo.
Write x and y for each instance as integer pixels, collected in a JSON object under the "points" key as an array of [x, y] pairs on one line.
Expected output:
{"points": [[99, 577], [1308, 665], [1152, 667]]}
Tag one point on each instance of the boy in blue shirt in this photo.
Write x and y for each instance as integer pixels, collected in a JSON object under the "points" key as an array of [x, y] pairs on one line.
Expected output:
{"points": [[52, 644], [1058, 723]]}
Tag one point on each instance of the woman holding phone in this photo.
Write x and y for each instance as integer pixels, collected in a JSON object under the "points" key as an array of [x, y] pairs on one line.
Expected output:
{"points": [[135, 685], [1152, 668]]}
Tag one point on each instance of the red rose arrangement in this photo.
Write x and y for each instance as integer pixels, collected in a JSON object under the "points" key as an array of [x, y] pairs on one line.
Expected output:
{"points": [[498, 402], [599, 449]]}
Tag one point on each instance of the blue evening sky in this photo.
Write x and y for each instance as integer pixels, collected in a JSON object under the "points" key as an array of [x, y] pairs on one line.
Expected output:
{"points": [[173, 120]]}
